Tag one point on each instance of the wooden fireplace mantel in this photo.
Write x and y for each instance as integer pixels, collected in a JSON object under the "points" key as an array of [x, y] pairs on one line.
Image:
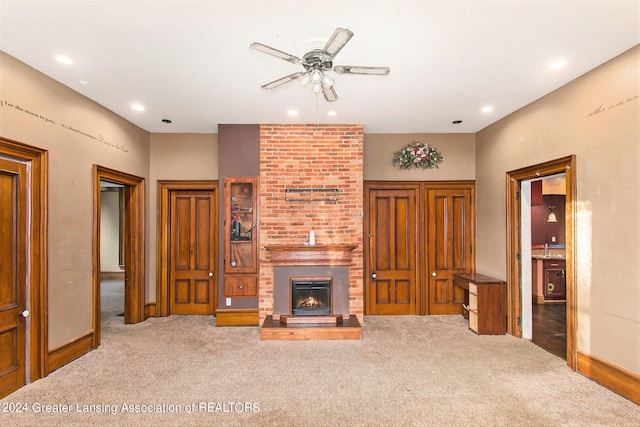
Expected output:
{"points": [[311, 254]]}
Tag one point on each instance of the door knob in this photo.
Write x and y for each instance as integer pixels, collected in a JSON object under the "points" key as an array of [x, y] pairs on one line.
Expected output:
{"points": [[433, 273], [373, 276], [25, 313], [211, 274]]}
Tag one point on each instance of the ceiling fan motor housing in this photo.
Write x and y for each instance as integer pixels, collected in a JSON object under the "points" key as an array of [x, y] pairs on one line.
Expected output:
{"points": [[317, 59]]}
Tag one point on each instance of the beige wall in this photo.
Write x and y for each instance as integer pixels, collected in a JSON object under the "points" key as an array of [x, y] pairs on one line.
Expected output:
{"points": [[110, 231], [458, 150], [78, 133], [597, 118], [176, 156]]}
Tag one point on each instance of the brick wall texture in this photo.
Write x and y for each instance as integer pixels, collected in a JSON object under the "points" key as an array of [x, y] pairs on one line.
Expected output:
{"points": [[311, 156]]}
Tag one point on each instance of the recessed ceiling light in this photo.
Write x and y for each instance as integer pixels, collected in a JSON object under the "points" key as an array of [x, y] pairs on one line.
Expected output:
{"points": [[332, 113], [137, 107], [292, 113], [83, 82], [64, 60], [558, 64], [487, 109]]}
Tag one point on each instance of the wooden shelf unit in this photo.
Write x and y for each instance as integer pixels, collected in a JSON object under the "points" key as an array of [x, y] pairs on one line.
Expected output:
{"points": [[240, 237]]}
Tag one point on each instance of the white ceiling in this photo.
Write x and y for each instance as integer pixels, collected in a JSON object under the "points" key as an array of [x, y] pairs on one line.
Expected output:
{"points": [[190, 61]]}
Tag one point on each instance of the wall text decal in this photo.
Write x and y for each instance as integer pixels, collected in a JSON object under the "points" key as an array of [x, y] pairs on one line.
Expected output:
{"points": [[98, 138], [602, 108]]}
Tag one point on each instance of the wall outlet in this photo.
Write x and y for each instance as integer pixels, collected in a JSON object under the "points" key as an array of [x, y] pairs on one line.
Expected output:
{"points": [[228, 301], [553, 239]]}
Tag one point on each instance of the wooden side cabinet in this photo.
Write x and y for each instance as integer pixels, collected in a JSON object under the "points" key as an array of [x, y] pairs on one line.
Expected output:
{"points": [[485, 299], [240, 237]]}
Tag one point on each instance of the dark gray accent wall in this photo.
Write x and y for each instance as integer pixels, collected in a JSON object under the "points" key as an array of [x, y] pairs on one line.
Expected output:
{"points": [[238, 155]]}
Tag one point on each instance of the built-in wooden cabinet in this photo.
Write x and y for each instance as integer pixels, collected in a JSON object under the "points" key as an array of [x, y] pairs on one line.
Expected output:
{"points": [[554, 280], [240, 237]]}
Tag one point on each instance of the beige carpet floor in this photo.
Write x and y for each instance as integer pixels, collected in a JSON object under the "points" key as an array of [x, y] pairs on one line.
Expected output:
{"points": [[406, 371]]}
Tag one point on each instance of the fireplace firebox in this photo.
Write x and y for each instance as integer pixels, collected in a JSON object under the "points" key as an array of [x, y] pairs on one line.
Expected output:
{"points": [[311, 296]]}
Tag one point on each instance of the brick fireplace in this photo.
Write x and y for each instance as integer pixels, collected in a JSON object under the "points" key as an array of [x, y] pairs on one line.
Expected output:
{"points": [[297, 158]]}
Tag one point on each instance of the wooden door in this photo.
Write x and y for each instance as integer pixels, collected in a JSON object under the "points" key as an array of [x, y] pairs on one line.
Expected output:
{"points": [[13, 281], [192, 258], [391, 279], [449, 248]]}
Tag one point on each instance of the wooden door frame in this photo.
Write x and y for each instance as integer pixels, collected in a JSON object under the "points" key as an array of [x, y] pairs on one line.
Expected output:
{"points": [[38, 160], [422, 291], [134, 245], [514, 179], [164, 224]]}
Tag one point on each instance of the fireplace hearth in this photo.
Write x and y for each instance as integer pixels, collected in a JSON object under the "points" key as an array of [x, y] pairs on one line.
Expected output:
{"points": [[330, 319], [311, 296]]}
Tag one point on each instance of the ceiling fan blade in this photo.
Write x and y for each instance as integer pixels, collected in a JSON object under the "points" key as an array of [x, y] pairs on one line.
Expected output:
{"points": [[277, 53], [338, 39], [354, 69], [329, 92], [283, 80]]}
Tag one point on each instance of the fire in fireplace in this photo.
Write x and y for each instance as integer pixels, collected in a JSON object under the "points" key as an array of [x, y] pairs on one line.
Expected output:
{"points": [[311, 297]]}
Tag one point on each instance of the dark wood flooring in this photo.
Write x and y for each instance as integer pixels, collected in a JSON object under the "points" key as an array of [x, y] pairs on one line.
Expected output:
{"points": [[550, 327]]}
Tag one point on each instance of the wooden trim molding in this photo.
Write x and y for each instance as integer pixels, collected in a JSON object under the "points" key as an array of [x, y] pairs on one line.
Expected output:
{"points": [[149, 310], [311, 254], [611, 376], [237, 317], [69, 351], [112, 275]]}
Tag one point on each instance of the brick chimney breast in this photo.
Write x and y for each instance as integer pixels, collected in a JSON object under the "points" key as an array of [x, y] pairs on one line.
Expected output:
{"points": [[311, 156]]}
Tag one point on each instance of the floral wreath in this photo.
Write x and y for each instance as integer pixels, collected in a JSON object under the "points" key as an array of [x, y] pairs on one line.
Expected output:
{"points": [[418, 155]]}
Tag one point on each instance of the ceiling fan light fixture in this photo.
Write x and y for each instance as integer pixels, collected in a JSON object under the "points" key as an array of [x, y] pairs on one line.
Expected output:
{"points": [[305, 79], [328, 80], [316, 76], [317, 88]]}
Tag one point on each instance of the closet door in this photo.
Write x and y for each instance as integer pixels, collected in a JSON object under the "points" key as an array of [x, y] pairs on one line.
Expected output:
{"points": [[449, 245], [391, 279]]}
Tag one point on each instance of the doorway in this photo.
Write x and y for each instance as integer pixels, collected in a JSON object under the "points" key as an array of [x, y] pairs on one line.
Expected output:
{"points": [[23, 302], [523, 315], [111, 253], [133, 237], [543, 236]]}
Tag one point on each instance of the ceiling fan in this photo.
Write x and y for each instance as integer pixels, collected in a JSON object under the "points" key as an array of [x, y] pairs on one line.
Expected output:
{"points": [[316, 62]]}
